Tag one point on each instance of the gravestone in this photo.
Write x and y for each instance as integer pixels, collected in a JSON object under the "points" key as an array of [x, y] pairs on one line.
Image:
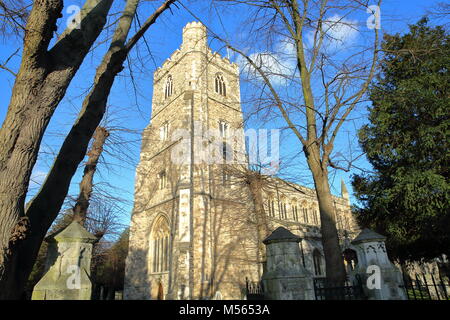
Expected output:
{"points": [[381, 279], [68, 265], [285, 278]]}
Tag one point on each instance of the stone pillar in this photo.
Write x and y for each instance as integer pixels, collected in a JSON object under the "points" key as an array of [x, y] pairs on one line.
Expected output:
{"points": [[285, 278], [381, 279], [68, 265]]}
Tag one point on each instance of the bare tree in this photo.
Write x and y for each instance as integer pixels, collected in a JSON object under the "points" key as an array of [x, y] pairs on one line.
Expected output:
{"points": [[314, 115], [13, 15], [40, 85], [440, 11], [82, 203]]}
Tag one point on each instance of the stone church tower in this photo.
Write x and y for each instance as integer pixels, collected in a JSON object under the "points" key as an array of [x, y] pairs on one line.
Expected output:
{"points": [[189, 236], [193, 232]]}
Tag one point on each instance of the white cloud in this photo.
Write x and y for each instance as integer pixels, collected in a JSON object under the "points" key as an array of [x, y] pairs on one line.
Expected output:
{"points": [[340, 32], [278, 67]]}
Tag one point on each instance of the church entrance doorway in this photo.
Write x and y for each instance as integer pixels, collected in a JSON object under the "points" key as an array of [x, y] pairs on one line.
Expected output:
{"points": [[160, 292]]}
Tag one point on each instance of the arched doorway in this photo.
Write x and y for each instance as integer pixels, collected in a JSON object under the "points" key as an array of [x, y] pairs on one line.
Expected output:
{"points": [[160, 292]]}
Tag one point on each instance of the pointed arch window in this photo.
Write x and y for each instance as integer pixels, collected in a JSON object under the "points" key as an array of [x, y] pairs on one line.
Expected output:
{"points": [[227, 152], [315, 216], [305, 215], [294, 210], [164, 131], [303, 254], [283, 209], [223, 128], [169, 87], [317, 259], [350, 258], [220, 85], [160, 239], [162, 180], [271, 206]]}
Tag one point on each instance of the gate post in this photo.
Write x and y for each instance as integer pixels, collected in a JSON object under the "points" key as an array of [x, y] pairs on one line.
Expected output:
{"points": [[285, 278], [381, 279]]}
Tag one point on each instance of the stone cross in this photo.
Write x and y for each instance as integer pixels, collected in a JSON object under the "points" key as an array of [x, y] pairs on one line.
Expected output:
{"points": [[68, 265], [285, 278], [381, 279]]}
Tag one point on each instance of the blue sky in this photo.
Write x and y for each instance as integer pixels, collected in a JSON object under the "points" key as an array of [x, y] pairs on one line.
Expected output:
{"points": [[130, 99]]}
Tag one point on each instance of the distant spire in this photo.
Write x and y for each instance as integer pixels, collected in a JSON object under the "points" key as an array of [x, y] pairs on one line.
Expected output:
{"points": [[344, 192]]}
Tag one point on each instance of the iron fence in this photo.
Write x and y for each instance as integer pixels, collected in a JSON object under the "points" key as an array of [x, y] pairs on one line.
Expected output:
{"points": [[254, 290], [349, 290], [426, 287]]}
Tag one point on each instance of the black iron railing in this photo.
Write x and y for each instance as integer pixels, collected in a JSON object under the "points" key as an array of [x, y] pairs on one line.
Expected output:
{"points": [[348, 290], [426, 287], [254, 290]]}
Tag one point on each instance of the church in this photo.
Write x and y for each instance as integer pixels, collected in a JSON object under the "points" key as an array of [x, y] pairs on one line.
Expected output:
{"points": [[196, 231]]}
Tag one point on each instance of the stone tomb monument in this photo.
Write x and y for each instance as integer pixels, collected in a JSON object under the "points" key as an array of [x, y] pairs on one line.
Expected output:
{"points": [[374, 266], [68, 265], [285, 278]]}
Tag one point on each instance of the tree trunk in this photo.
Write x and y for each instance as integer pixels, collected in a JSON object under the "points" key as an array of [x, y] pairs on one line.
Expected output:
{"points": [[256, 183], [39, 87], [334, 263], [43, 209], [86, 184]]}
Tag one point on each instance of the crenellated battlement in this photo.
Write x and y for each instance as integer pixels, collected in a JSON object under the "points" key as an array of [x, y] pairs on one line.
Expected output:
{"points": [[194, 24], [195, 39]]}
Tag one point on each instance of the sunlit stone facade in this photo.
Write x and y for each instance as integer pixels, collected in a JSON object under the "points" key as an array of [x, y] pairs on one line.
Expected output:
{"points": [[193, 233]]}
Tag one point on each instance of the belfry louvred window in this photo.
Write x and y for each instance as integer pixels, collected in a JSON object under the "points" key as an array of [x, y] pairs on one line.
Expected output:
{"points": [[220, 85]]}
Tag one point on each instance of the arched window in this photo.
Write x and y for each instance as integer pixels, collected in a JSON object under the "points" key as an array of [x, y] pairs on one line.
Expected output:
{"points": [[162, 180], [305, 215], [317, 259], [271, 206], [294, 210], [227, 152], [164, 131], [303, 254], [169, 87], [283, 209], [350, 259], [220, 85], [159, 246], [315, 216], [223, 128]]}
